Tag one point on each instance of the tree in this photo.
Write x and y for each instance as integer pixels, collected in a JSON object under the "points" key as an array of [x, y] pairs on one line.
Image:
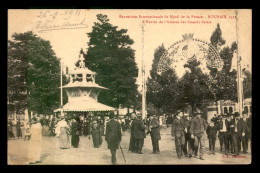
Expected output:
{"points": [[223, 82], [153, 86], [216, 38], [194, 86], [110, 55], [247, 84], [17, 73], [162, 89], [33, 63]]}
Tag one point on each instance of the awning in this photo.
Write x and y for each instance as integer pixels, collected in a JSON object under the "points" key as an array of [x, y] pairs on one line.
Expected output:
{"points": [[85, 106], [83, 85]]}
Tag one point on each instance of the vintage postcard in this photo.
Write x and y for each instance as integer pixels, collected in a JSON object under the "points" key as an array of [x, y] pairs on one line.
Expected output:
{"points": [[129, 86]]}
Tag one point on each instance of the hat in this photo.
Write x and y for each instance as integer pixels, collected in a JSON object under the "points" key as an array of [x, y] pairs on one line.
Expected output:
{"points": [[139, 115], [224, 116], [198, 113], [244, 112], [236, 114]]}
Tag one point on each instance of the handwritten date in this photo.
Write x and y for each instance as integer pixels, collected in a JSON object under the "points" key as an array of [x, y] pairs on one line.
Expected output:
{"points": [[51, 15]]}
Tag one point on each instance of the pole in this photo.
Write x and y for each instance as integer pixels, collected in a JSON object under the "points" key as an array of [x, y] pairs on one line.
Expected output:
{"points": [[122, 152], [61, 96], [143, 78], [239, 81]]}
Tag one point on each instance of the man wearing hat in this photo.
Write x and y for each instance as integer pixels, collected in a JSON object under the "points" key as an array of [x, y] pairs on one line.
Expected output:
{"points": [[237, 130], [212, 133], [189, 143], [113, 136], [229, 137], [198, 127], [249, 124], [245, 138], [178, 128], [139, 133], [218, 119], [223, 133], [154, 127], [132, 137]]}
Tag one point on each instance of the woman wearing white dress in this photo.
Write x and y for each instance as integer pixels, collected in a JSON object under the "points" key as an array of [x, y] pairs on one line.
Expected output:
{"points": [[62, 132], [34, 150]]}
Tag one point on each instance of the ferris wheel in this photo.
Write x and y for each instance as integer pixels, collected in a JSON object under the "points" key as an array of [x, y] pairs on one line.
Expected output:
{"points": [[187, 50]]}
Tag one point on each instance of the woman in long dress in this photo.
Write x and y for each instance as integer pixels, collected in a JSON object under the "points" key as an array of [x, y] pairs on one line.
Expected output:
{"points": [[62, 128], [18, 128], [75, 128], [85, 127], [14, 127], [34, 151], [96, 136]]}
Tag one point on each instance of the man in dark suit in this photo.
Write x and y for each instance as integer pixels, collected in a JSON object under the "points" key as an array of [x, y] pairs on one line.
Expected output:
{"points": [[237, 131], [178, 128], [188, 147], [191, 141], [229, 136], [212, 133], [223, 127], [154, 128], [113, 136], [249, 124], [246, 137], [132, 137], [139, 133], [198, 128]]}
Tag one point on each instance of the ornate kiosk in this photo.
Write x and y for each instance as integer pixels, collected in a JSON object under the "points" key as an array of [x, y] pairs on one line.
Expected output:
{"points": [[83, 91]]}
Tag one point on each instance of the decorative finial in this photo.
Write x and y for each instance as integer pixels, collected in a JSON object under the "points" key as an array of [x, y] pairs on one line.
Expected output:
{"points": [[81, 58], [187, 36], [81, 63]]}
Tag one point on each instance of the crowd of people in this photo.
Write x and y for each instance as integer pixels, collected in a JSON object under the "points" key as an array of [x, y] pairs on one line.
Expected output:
{"points": [[189, 132], [15, 128]]}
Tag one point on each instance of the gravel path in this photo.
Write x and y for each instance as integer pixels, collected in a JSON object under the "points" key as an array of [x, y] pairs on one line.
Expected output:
{"points": [[86, 154]]}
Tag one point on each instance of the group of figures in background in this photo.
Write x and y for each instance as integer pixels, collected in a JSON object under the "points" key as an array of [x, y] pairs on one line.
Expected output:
{"points": [[16, 128], [67, 128], [189, 132]]}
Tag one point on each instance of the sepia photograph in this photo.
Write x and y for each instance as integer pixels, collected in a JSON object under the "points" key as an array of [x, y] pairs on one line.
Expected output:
{"points": [[129, 87]]}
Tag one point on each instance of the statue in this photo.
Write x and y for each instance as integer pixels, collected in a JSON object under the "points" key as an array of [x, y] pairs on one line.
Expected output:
{"points": [[81, 63]]}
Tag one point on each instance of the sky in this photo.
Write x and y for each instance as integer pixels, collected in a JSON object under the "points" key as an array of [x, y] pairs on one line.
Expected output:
{"points": [[66, 30]]}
